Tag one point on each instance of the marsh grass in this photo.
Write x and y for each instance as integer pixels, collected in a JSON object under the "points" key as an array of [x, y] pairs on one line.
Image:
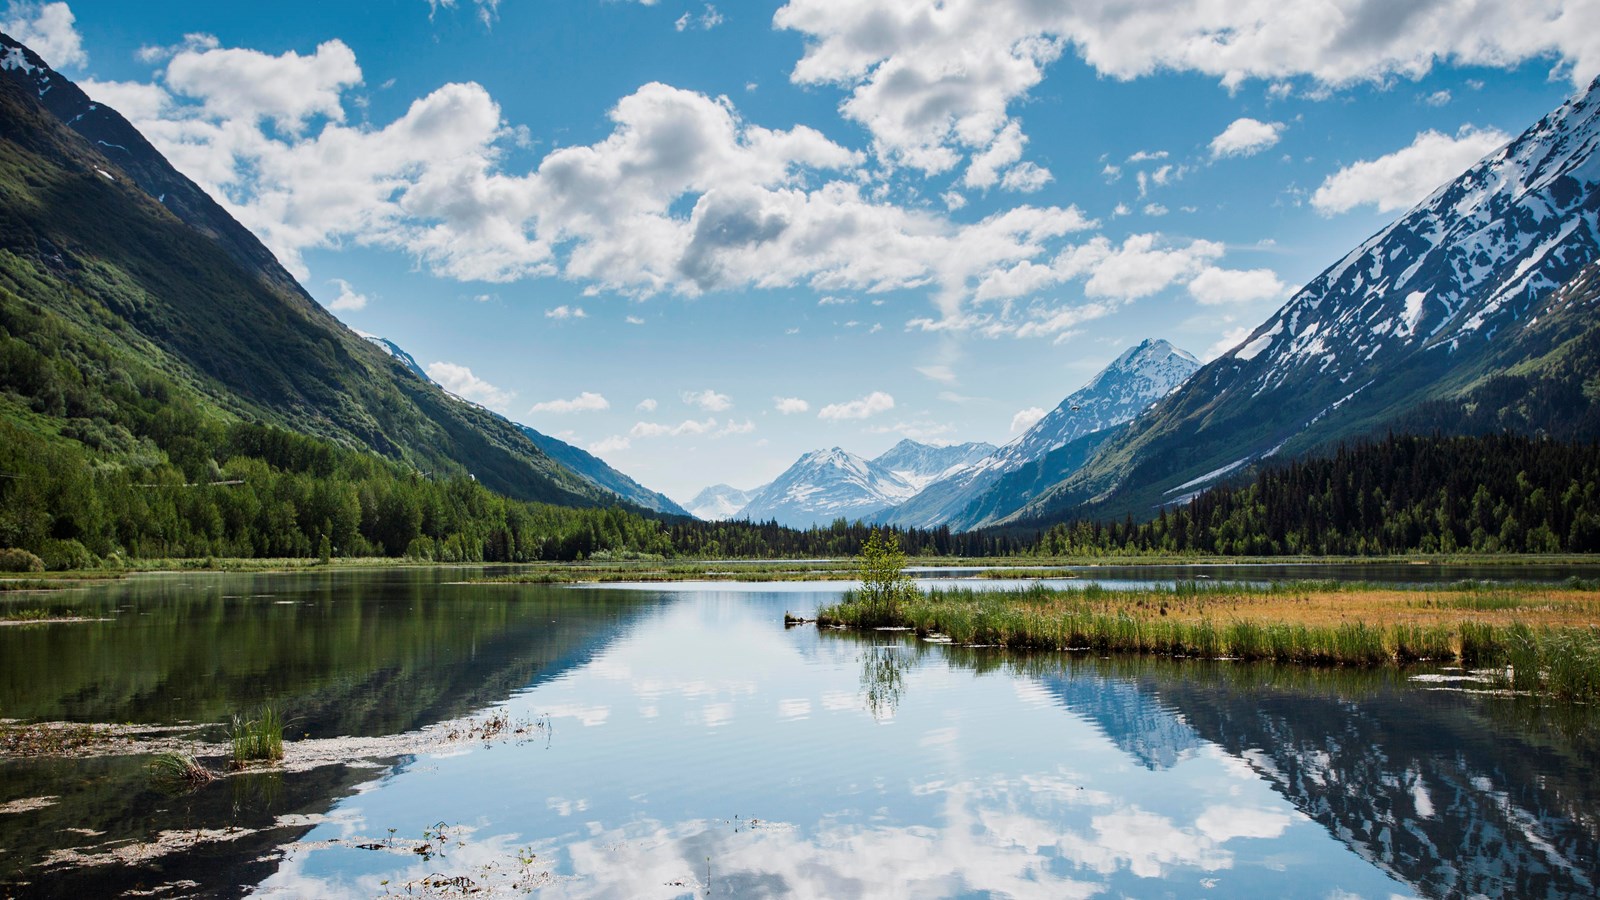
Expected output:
{"points": [[258, 739], [1484, 600], [8, 585], [179, 770], [1307, 623]]}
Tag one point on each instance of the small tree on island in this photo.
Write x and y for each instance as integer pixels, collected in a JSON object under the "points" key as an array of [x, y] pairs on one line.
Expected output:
{"points": [[884, 583]]}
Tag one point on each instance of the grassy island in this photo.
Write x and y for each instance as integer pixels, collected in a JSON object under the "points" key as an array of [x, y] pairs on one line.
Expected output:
{"points": [[1537, 638]]}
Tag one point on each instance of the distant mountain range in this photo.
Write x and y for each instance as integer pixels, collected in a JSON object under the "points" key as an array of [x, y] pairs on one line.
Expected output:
{"points": [[919, 465], [718, 503], [825, 485], [962, 485], [1054, 447]]}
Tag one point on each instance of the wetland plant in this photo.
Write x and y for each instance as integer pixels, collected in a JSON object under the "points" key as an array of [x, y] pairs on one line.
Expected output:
{"points": [[258, 739], [179, 769], [885, 587], [1556, 660]]}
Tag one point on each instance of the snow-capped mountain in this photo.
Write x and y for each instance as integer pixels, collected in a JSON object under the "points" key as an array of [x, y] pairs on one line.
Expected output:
{"points": [[919, 464], [397, 354], [825, 485], [1415, 314], [1139, 377], [1128, 386], [718, 503]]}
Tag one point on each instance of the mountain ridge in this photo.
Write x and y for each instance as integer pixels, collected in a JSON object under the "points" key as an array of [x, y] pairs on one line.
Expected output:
{"points": [[824, 485], [718, 503], [1014, 474], [1419, 313], [133, 253]]}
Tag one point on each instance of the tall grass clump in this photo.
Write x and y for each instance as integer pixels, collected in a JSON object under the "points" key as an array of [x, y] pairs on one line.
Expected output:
{"points": [[1522, 652], [179, 770], [258, 739], [1481, 646], [1247, 640], [1572, 663], [1417, 642]]}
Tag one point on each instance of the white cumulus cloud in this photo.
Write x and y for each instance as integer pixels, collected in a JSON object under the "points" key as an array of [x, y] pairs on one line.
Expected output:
{"points": [[586, 401], [790, 405], [50, 30], [459, 380], [1214, 286], [246, 86], [648, 404], [708, 400], [682, 196], [1403, 178], [870, 405], [686, 427], [1026, 418], [934, 81], [1143, 265], [349, 299], [566, 312], [1245, 137], [610, 444]]}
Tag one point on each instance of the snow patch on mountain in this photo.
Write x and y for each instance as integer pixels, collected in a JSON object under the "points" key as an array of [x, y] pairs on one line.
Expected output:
{"points": [[1139, 377], [1134, 381], [825, 485], [920, 464], [1459, 269], [398, 355], [718, 503]]}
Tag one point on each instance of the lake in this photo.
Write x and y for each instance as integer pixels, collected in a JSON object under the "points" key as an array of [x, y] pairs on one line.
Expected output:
{"points": [[677, 741]]}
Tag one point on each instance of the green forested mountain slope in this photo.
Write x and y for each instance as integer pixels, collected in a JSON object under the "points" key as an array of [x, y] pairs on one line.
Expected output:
{"points": [[125, 281]]}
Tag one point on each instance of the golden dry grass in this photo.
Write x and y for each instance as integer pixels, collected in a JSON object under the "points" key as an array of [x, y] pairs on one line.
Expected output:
{"points": [[1331, 606]]}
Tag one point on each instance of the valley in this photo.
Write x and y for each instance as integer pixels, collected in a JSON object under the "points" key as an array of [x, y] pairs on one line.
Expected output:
{"points": [[799, 449]]}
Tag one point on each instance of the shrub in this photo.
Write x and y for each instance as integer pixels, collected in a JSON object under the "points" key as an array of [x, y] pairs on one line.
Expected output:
{"points": [[60, 556], [15, 559], [884, 583]]}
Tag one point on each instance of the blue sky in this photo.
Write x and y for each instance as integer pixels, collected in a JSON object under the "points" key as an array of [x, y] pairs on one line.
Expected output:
{"points": [[700, 240]]}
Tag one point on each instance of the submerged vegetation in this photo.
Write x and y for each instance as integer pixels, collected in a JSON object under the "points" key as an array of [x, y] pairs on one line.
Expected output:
{"points": [[1529, 638]]}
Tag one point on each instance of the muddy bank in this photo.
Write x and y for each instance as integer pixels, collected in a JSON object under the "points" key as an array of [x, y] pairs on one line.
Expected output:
{"points": [[74, 740]]}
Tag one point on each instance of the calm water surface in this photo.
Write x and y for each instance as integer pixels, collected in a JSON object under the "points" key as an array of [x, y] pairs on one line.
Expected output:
{"points": [[694, 747]]}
